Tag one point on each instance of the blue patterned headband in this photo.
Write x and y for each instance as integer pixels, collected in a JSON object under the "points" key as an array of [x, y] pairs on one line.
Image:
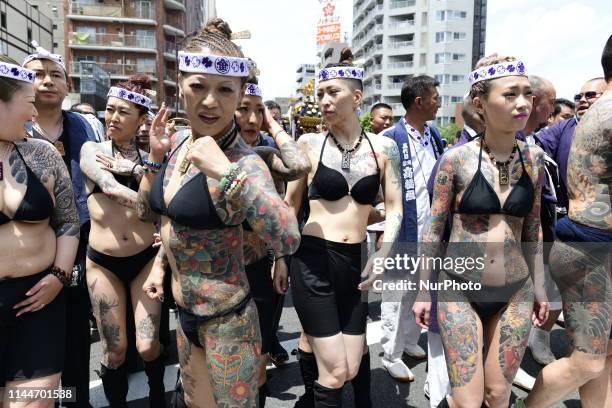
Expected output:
{"points": [[16, 72], [497, 71], [130, 96], [42, 53], [341, 73], [213, 64], [253, 90]]}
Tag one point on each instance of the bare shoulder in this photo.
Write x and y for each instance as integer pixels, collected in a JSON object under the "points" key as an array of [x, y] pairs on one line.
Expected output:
{"points": [[32, 148], [595, 127]]}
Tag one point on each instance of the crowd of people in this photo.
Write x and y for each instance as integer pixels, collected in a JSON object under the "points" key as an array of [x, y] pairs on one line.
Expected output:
{"points": [[221, 212]]}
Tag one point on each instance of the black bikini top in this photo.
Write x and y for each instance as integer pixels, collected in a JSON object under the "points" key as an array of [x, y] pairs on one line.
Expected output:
{"points": [[192, 205], [37, 203], [480, 198], [329, 184], [129, 181]]}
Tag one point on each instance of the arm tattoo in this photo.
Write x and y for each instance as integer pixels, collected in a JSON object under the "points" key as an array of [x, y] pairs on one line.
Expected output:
{"points": [[48, 165], [392, 191], [532, 231], [266, 212], [105, 180]]}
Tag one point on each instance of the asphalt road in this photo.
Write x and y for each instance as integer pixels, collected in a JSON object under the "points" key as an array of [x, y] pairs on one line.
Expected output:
{"points": [[285, 383]]}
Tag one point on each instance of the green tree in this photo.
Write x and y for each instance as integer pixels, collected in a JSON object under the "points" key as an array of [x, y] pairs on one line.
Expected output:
{"points": [[449, 132], [365, 122]]}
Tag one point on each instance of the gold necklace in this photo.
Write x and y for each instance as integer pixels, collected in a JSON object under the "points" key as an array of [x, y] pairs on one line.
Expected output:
{"points": [[185, 163]]}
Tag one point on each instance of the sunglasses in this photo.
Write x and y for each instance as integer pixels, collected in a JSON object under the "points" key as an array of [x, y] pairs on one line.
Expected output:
{"points": [[587, 95]]}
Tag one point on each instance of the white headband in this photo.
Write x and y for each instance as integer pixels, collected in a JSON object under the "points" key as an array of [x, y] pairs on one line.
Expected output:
{"points": [[497, 71], [130, 96], [253, 90], [16, 72], [42, 53], [213, 64], [340, 72]]}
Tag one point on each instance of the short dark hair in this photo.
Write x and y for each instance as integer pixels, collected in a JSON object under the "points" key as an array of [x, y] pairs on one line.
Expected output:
{"points": [[380, 105], [8, 86], [77, 107], [415, 87], [559, 102], [272, 105], [606, 59]]}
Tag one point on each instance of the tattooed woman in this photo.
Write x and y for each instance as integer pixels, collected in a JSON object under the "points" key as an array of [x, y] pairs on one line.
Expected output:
{"points": [[580, 264], [251, 117], [39, 226], [121, 252], [485, 333], [211, 182], [348, 167]]}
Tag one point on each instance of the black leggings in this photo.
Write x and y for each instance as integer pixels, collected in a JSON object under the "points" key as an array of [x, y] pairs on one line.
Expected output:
{"points": [[126, 268], [31, 345], [324, 280], [262, 289]]}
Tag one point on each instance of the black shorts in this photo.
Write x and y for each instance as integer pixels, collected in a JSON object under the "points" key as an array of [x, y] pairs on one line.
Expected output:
{"points": [[126, 268], [324, 279], [31, 345], [262, 290]]}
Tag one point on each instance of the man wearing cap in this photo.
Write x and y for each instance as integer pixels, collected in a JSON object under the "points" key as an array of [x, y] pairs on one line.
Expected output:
{"points": [[67, 131]]}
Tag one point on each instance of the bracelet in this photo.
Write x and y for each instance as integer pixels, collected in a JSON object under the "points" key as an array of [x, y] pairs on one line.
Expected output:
{"points": [[152, 165], [62, 275], [237, 184], [229, 177], [151, 170]]}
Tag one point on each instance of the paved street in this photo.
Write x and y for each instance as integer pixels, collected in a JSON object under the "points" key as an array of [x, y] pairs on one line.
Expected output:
{"points": [[285, 383]]}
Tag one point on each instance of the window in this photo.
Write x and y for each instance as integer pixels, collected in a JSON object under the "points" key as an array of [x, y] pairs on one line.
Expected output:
{"points": [[423, 60], [442, 78], [29, 36], [443, 15], [442, 57], [458, 36], [3, 47], [458, 78], [424, 19], [456, 99], [55, 45], [3, 19], [458, 57]]}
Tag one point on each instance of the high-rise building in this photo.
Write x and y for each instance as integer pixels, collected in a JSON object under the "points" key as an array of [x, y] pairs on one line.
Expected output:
{"points": [[330, 53], [305, 72], [401, 38], [20, 23], [54, 9], [127, 37]]}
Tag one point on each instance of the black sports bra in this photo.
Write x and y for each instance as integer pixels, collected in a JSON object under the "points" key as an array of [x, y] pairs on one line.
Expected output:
{"points": [[37, 204], [129, 181], [191, 206], [480, 198], [329, 184]]}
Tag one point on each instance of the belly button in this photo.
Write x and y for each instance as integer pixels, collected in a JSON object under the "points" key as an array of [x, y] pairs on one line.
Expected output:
{"points": [[344, 239], [492, 261]]}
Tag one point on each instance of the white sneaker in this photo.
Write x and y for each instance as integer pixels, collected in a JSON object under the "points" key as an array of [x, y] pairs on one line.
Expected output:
{"points": [[539, 343], [523, 380], [415, 351], [426, 389], [398, 370]]}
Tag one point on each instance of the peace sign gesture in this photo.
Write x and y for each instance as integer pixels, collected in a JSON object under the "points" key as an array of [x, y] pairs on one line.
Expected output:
{"points": [[159, 142]]}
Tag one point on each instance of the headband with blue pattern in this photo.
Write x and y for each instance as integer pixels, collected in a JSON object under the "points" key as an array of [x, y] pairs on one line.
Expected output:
{"points": [[130, 96]]}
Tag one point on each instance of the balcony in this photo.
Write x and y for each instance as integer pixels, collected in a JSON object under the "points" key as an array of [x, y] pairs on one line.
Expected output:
{"points": [[401, 4], [175, 25], [400, 65], [117, 71], [394, 45], [125, 42], [175, 5], [170, 50], [108, 13], [395, 85], [170, 77], [401, 25]]}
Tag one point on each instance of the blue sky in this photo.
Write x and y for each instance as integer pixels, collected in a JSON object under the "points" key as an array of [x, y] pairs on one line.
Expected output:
{"points": [[561, 40]]}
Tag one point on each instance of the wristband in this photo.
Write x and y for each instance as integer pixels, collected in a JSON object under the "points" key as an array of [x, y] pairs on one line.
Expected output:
{"points": [[152, 165], [62, 275]]}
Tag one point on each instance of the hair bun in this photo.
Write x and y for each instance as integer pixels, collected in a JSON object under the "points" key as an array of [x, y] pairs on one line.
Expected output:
{"points": [[219, 26], [346, 56], [140, 81]]}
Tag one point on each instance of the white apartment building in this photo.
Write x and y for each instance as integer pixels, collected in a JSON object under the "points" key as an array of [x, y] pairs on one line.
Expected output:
{"points": [[402, 38], [20, 23], [304, 73]]}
